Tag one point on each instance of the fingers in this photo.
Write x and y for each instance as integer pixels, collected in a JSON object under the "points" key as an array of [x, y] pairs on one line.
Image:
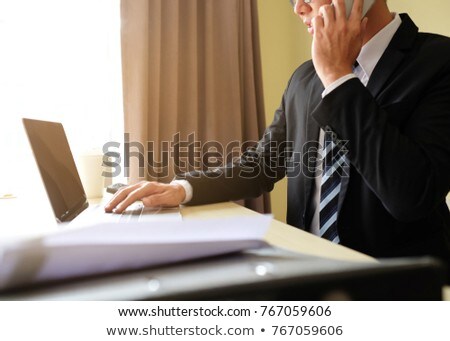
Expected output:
{"points": [[340, 9], [364, 26], [327, 13], [317, 24], [134, 196], [121, 194], [337, 11], [357, 9], [151, 193], [128, 195]]}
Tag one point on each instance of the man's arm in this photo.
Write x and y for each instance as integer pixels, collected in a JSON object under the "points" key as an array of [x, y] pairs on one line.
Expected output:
{"points": [[255, 172], [408, 169]]}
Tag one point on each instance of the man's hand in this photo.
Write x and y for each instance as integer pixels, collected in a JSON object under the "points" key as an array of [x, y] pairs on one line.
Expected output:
{"points": [[152, 194], [337, 41]]}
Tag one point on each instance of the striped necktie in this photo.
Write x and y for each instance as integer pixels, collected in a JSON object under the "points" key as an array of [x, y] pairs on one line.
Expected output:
{"points": [[334, 160]]}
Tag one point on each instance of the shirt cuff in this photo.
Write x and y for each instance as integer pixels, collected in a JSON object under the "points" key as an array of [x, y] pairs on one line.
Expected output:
{"points": [[187, 188], [337, 83]]}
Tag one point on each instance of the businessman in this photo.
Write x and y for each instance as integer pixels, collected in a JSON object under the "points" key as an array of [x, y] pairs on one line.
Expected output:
{"points": [[365, 130]]}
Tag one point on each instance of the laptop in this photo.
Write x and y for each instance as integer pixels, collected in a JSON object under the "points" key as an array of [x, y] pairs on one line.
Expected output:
{"points": [[63, 185]]}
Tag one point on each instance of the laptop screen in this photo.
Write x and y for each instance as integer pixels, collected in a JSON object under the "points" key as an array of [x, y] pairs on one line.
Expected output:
{"points": [[57, 167]]}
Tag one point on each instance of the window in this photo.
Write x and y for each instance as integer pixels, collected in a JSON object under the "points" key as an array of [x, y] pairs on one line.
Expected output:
{"points": [[59, 61]]}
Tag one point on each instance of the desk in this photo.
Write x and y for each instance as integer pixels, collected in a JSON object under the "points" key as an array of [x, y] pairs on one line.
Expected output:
{"points": [[280, 234], [287, 237]]}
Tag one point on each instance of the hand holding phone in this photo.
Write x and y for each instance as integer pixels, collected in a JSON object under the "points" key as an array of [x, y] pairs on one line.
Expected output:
{"points": [[334, 49]]}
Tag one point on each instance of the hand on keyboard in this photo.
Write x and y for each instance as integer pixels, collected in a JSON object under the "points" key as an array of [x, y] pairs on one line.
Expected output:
{"points": [[152, 194]]}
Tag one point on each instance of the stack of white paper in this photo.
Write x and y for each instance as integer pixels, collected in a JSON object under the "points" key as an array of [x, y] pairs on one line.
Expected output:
{"points": [[106, 248]]}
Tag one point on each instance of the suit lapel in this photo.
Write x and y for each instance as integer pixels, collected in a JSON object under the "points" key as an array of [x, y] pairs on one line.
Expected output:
{"points": [[393, 56], [312, 135], [314, 98]]}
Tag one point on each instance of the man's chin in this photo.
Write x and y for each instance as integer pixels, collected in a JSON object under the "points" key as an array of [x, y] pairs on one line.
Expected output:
{"points": [[311, 30]]}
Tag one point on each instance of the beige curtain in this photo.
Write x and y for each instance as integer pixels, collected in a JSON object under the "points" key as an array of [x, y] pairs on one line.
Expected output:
{"points": [[191, 71]]}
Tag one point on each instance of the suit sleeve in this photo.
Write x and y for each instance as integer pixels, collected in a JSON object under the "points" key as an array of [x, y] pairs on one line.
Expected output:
{"points": [[407, 167], [255, 172]]}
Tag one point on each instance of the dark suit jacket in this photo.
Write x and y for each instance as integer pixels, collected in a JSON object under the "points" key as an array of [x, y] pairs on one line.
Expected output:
{"points": [[398, 136]]}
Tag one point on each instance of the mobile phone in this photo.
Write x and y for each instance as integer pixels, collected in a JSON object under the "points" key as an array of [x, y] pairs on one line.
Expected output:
{"points": [[367, 5]]}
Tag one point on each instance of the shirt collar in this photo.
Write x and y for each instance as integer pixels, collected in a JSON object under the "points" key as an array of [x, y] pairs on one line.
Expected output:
{"points": [[372, 51]]}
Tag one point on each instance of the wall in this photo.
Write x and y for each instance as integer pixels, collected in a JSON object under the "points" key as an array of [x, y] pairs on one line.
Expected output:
{"points": [[429, 16], [285, 44]]}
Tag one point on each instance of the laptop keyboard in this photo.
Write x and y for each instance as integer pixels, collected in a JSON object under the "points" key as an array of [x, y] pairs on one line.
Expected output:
{"points": [[135, 213]]}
